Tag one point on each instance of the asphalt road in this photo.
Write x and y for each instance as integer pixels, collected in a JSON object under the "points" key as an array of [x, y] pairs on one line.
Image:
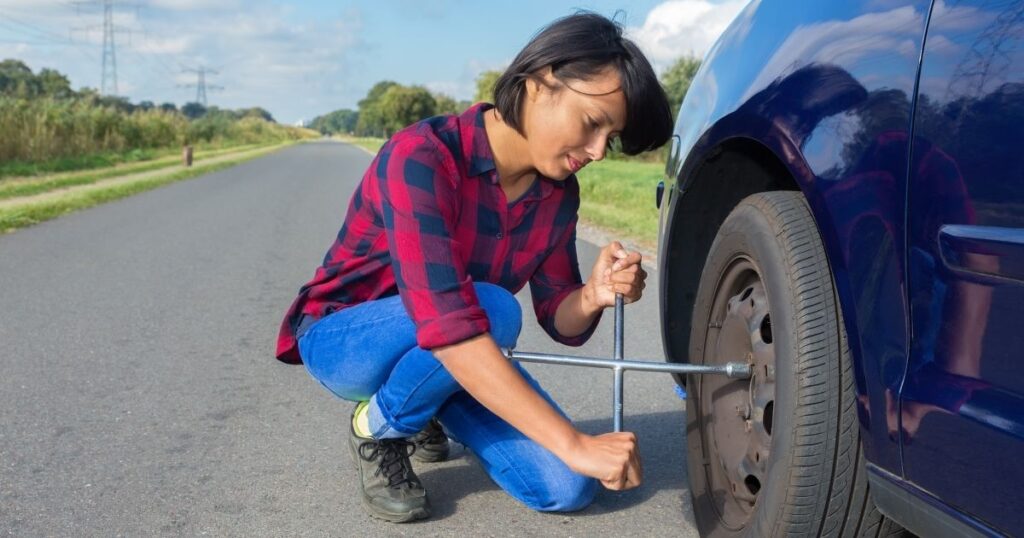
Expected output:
{"points": [[139, 394]]}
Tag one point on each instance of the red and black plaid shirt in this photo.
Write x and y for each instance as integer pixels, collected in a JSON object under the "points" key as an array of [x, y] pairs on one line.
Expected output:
{"points": [[429, 218]]}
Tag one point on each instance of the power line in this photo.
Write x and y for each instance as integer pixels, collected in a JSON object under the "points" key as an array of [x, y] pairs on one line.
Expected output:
{"points": [[108, 73], [37, 32], [201, 86]]}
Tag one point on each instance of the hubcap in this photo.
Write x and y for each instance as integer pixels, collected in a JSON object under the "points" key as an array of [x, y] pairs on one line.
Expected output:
{"points": [[736, 415]]}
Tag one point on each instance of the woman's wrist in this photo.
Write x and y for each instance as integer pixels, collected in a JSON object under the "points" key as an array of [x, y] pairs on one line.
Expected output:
{"points": [[569, 446], [588, 300]]}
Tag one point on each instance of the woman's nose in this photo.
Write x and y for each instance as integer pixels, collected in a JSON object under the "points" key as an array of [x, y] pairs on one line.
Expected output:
{"points": [[596, 150]]}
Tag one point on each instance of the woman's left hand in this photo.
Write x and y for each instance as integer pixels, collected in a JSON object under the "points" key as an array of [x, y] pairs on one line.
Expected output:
{"points": [[616, 271]]}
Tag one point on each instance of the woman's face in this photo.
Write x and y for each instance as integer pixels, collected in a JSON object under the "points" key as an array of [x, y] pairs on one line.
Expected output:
{"points": [[569, 124]]}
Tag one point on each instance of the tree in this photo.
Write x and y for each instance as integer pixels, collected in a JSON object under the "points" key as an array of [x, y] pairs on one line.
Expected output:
{"points": [[193, 110], [339, 121], [445, 104], [169, 107], [677, 78], [371, 121], [401, 106], [257, 112], [146, 105], [485, 85], [54, 84], [17, 80]]}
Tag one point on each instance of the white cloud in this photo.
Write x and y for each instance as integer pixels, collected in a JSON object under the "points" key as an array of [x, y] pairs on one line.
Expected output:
{"points": [[680, 27], [160, 45], [194, 5]]}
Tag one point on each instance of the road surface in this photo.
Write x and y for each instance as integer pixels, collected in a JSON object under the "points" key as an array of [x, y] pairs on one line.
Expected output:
{"points": [[140, 395]]}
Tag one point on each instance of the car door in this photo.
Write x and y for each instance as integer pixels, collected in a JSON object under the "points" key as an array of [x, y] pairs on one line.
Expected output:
{"points": [[962, 401]]}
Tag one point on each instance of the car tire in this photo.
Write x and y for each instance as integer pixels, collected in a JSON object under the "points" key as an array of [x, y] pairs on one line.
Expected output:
{"points": [[777, 454]]}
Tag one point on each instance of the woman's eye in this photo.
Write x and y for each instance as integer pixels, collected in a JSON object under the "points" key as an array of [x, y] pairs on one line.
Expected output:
{"points": [[593, 124]]}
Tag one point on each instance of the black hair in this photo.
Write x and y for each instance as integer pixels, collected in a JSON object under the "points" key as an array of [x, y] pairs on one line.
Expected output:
{"points": [[578, 47]]}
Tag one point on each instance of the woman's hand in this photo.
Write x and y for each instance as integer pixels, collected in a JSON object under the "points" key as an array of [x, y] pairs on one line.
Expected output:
{"points": [[615, 271], [611, 458]]}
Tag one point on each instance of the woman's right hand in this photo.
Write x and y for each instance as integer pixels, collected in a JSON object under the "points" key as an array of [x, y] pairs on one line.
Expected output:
{"points": [[611, 458]]}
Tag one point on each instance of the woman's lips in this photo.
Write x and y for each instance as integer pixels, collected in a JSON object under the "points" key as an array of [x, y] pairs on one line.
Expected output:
{"points": [[574, 165]]}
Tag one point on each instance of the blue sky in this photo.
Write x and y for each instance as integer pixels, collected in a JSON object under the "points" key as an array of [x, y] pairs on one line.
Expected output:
{"points": [[301, 59]]}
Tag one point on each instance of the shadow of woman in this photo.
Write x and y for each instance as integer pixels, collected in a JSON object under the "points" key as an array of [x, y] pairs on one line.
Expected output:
{"points": [[662, 445]]}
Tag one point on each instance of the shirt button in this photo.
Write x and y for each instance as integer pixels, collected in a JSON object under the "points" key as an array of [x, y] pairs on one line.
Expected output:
{"points": [[499, 235]]}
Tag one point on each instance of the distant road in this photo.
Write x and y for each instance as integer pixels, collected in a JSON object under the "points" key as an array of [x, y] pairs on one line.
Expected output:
{"points": [[139, 394]]}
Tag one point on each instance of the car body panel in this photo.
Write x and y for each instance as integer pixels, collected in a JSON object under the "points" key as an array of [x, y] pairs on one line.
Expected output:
{"points": [[962, 403]]}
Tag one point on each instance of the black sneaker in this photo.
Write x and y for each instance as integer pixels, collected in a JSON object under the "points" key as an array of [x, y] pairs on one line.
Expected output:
{"points": [[431, 443], [391, 491]]}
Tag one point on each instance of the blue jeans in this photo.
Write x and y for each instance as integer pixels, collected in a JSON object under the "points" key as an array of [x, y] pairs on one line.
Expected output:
{"points": [[369, 352]]}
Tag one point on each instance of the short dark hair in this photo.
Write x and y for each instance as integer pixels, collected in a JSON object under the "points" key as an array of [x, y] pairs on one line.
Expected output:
{"points": [[578, 47]]}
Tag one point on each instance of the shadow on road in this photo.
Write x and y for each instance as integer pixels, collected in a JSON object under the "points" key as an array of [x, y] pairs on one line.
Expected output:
{"points": [[662, 447]]}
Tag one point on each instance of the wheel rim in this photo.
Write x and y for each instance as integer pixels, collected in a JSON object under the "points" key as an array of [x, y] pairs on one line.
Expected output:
{"points": [[737, 415]]}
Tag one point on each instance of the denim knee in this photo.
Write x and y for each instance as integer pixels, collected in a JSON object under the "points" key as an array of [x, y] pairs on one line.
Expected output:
{"points": [[567, 492], [503, 312]]}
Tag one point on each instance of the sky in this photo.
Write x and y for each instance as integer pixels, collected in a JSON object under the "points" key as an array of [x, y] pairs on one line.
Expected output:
{"points": [[302, 59]]}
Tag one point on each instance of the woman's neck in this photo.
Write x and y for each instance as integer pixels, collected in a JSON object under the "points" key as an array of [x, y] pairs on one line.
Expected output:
{"points": [[511, 158]]}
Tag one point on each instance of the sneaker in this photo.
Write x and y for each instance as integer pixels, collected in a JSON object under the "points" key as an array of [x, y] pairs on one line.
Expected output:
{"points": [[431, 443], [391, 490]]}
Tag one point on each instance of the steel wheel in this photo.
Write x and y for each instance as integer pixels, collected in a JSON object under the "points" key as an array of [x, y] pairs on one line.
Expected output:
{"points": [[741, 410]]}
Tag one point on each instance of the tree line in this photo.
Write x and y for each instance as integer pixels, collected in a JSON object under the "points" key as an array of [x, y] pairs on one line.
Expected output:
{"points": [[390, 106]]}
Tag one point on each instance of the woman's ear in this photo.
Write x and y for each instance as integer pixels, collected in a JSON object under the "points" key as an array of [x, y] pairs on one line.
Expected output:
{"points": [[538, 81]]}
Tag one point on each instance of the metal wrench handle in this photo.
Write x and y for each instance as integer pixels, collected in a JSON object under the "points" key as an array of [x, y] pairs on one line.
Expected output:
{"points": [[617, 382]]}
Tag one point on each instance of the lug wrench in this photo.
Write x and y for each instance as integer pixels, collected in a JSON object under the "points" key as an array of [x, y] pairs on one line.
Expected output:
{"points": [[734, 370]]}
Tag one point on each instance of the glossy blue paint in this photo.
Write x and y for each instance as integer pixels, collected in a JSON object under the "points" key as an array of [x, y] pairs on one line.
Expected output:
{"points": [[902, 123], [827, 88], [962, 404]]}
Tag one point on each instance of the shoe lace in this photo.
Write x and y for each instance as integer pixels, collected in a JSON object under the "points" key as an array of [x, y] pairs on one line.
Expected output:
{"points": [[394, 459]]}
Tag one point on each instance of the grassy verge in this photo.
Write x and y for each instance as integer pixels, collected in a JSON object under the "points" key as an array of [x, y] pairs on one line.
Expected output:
{"points": [[13, 188], [81, 163], [619, 196], [616, 195], [369, 143], [21, 216]]}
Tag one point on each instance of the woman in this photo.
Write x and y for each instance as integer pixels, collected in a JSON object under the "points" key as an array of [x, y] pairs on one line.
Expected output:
{"points": [[414, 300]]}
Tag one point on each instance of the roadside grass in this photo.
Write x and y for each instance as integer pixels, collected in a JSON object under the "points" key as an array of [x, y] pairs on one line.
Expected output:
{"points": [[78, 162], [616, 194], [20, 216], [16, 187], [81, 163], [369, 143]]}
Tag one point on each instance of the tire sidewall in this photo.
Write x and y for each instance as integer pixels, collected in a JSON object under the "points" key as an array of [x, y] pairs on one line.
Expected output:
{"points": [[748, 232]]}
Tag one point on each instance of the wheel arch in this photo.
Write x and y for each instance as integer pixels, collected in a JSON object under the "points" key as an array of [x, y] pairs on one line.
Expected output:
{"points": [[718, 173]]}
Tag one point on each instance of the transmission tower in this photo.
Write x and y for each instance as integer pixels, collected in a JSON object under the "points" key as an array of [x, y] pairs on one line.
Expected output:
{"points": [[201, 86], [108, 75]]}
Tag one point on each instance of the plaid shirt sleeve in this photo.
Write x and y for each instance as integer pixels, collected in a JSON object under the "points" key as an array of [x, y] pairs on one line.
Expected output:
{"points": [[419, 198], [553, 281]]}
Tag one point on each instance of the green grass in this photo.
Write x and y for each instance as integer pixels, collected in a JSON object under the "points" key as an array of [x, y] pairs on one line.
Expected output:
{"points": [[21, 169], [27, 215], [370, 143], [13, 188], [619, 196], [80, 162]]}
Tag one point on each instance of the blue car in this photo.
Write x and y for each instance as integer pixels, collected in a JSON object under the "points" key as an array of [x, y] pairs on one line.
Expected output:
{"points": [[843, 208]]}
